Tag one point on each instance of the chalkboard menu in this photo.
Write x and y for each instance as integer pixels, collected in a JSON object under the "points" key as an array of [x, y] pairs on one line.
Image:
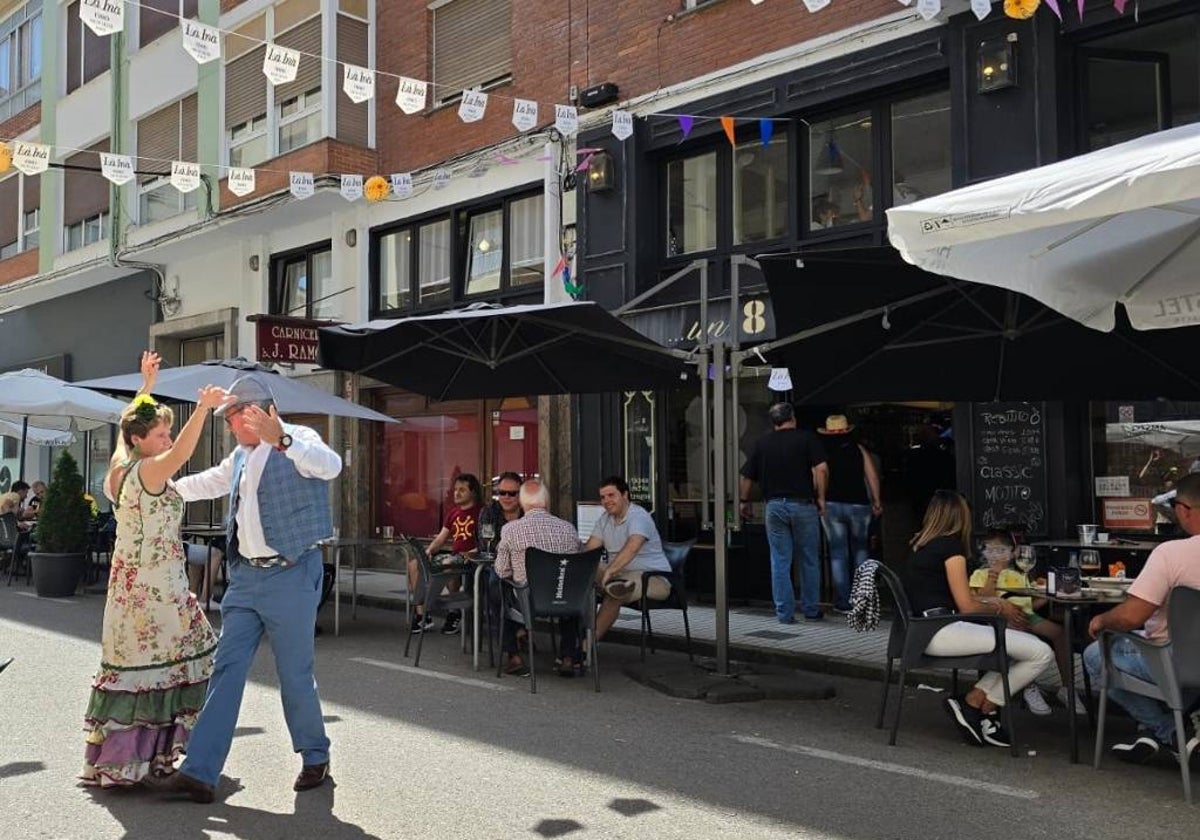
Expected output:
{"points": [[1008, 468]]}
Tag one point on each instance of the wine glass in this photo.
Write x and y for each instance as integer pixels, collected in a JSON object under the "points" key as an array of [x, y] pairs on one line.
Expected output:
{"points": [[1025, 560], [487, 530]]}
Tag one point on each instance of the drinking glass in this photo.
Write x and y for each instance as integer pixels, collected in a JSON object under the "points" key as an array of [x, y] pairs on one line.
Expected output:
{"points": [[1089, 559], [1025, 560], [487, 530]]}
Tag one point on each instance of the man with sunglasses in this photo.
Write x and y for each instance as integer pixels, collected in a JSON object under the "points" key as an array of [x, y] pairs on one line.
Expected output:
{"points": [[276, 482], [1174, 563], [505, 508]]}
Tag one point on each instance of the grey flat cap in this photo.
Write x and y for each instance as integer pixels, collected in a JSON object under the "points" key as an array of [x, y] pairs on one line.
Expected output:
{"points": [[248, 389]]}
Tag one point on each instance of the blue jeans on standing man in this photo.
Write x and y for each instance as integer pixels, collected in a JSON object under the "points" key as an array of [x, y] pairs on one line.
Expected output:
{"points": [[846, 527], [793, 527]]}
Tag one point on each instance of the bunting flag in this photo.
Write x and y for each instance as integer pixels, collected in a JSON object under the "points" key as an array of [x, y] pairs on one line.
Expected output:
{"points": [[727, 125], [685, 125], [766, 130], [185, 176], [410, 98], [280, 64], [358, 83], [473, 105], [402, 184], [525, 114], [118, 169], [566, 120], [981, 8], [103, 17], [240, 181], [301, 184], [1080, 4], [202, 43], [622, 125], [1119, 5], [351, 187], [929, 9], [441, 179], [30, 158]]}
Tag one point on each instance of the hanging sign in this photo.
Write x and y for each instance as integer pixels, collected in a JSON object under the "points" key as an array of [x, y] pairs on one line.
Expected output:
{"points": [[30, 158], [929, 9], [981, 8], [525, 114], [300, 184], [185, 176], [358, 83], [474, 103], [352, 187], [402, 184], [622, 126], [104, 17], [781, 380], [566, 120], [411, 96], [240, 181], [441, 179], [280, 64], [203, 43], [116, 168]]}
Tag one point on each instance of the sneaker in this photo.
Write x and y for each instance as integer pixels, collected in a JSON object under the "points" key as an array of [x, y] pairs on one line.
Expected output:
{"points": [[967, 719], [1138, 751], [1034, 701], [421, 623], [1080, 708], [993, 733], [450, 628], [1192, 751], [818, 616]]}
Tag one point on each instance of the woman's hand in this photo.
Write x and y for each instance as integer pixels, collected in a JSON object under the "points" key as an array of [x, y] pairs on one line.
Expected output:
{"points": [[1013, 615], [212, 397], [149, 367]]}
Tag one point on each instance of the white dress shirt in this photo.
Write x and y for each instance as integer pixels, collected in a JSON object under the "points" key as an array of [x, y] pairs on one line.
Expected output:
{"points": [[312, 457]]}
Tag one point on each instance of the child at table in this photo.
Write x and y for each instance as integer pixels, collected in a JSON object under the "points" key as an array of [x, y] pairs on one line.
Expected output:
{"points": [[998, 548]]}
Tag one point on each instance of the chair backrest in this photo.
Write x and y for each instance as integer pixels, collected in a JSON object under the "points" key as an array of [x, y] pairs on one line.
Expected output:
{"points": [[1183, 626], [896, 587], [561, 584], [8, 531], [677, 554]]}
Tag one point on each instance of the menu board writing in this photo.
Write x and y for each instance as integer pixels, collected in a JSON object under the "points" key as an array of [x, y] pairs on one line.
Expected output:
{"points": [[1008, 448]]}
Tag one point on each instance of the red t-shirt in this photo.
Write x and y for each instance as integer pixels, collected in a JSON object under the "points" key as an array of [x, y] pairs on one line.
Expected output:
{"points": [[463, 525]]}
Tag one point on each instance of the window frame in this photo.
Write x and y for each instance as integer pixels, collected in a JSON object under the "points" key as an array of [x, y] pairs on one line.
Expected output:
{"points": [[24, 87], [83, 225], [181, 11], [306, 111], [277, 286], [455, 87], [185, 201]]}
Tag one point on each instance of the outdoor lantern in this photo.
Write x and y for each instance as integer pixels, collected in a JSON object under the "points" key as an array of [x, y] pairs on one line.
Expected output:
{"points": [[997, 64], [601, 172]]}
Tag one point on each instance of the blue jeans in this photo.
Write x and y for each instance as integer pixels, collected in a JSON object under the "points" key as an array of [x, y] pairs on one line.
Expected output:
{"points": [[846, 527], [281, 602], [1150, 714], [794, 528]]}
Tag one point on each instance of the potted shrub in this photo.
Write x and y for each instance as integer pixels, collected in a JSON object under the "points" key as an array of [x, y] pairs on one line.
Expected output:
{"points": [[62, 532]]}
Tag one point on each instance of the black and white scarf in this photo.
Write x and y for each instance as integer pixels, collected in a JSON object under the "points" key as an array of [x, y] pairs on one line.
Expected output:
{"points": [[864, 598]]}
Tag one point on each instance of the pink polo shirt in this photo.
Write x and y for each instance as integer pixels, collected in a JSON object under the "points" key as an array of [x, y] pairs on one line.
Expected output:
{"points": [[1174, 563]]}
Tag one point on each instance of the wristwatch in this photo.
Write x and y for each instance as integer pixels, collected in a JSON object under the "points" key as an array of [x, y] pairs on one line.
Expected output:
{"points": [[285, 441]]}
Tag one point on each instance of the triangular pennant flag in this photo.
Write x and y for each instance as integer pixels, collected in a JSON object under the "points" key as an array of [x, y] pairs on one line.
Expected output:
{"points": [[727, 124], [1081, 4], [685, 125], [472, 106], [203, 43], [240, 181], [352, 187], [358, 83], [116, 168], [104, 17], [280, 64], [185, 176], [301, 184], [525, 114], [766, 130], [622, 125], [585, 163], [1119, 5], [981, 8], [30, 158], [929, 9], [402, 184]]}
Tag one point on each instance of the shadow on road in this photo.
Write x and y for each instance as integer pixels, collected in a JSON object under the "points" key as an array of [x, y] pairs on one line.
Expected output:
{"points": [[21, 768]]}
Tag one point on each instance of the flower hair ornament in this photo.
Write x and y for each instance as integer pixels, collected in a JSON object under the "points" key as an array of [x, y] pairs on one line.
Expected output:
{"points": [[145, 408]]}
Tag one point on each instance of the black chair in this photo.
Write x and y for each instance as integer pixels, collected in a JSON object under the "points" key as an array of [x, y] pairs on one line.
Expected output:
{"points": [[911, 635], [101, 535], [433, 580], [14, 547], [1175, 666], [677, 555], [557, 586]]}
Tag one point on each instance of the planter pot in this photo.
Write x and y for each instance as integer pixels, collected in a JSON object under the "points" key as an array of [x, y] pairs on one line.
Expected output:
{"points": [[56, 575]]}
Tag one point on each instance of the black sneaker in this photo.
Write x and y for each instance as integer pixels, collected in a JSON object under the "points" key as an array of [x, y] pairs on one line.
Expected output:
{"points": [[967, 719], [993, 733], [450, 628], [1138, 751], [817, 616], [421, 623]]}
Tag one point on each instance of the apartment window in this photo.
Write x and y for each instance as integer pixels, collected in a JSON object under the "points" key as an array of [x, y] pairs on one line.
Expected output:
{"points": [[158, 17], [20, 59], [248, 142], [485, 251], [85, 232], [85, 199], [31, 225], [841, 152], [10, 190], [246, 94], [302, 283], [505, 246], [760, 191], [692, 204], [166, 135], [527, 241], [417, 255], [395, 270], [472, 46], [353, 42], [87, 52], [299, 120]]}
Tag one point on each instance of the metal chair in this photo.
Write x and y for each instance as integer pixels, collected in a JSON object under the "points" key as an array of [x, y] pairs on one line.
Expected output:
{"points": [[677, 555], [557, 586], [911, 635], [1175, 666], [14, 545], [433, 580]]}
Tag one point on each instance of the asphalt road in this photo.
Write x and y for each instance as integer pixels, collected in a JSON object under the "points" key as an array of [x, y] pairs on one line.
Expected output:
{"points": [[443, 752]]}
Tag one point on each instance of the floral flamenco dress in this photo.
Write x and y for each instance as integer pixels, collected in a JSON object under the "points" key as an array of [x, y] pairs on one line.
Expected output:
{"points": [[157, 646]]}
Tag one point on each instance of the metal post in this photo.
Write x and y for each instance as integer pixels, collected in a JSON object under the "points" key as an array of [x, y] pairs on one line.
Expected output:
{"points": [[24, 443], [735, 265], [705, 425], [720, 532]]}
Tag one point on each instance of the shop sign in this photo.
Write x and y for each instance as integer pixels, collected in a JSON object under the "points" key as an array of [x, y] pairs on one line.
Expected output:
{"points": [[680, 326], [1127, 513], [1112, 485], [57, 366], [290, 340]]}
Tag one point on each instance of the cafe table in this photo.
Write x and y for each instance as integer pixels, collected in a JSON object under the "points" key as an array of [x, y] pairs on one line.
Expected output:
{"points": [[1086, 602], [1135, 550], [206, 534], [334, 546]]}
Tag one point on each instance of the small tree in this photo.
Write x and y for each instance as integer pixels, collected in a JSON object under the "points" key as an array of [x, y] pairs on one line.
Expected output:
{"points": [[63, 517]]}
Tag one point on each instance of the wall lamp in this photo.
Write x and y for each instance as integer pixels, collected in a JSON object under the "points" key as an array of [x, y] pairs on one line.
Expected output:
{"points": [[601, 172], [997, 68]]}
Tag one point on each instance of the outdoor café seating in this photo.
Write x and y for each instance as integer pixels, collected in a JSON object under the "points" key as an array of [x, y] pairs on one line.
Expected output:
{"points": [[429, 594], [14, 549], [910, 635], [677, 555], [1175, 666], [557, 586]]}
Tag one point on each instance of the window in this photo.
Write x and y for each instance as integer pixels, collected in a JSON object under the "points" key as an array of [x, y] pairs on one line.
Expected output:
{"points": [[32, 225], [302, 284], [299, 119], [246, 94], [472, 46], [505, 246], [421, 252], [485, 251], [87, 53], [85, 198], [920, 147], [760, 191], [158, 17], [20, 59], [527, 241], [248, 142], [166, 135], [692, 204], [840, 154], [86, 232], [395, 270], [433, 263]]}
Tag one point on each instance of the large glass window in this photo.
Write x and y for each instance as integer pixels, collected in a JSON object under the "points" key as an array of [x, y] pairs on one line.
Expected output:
{"points": [[395, 270], [920, 147], [20, 59], [527, 241], [433, 262], [485, 251], [760, 191], [299, 120], [840, 153], [692, 204], [248, 143], [302, 284]]}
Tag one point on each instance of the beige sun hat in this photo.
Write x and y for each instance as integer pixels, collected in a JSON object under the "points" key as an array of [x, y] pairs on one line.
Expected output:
{"points": [[836, 424]]}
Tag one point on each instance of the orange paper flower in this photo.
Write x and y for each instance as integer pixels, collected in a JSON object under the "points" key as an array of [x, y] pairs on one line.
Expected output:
{"points": [[5, 158], [1021, 9], [376, 188]]}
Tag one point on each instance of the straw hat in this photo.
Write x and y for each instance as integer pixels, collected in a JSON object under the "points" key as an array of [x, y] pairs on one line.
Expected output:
{"points": [[836, 424]]}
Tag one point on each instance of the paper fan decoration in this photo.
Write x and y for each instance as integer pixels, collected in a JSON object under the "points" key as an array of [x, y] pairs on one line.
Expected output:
{"points": [[376, 188], [1021, 9]]}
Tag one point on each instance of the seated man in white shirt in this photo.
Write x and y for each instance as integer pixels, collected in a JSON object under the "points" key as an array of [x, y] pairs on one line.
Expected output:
{"points": [[630, 537]]}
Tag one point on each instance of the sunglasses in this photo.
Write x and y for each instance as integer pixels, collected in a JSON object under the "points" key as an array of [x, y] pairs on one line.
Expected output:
{"points": [[507, 492], [1176, 502]]}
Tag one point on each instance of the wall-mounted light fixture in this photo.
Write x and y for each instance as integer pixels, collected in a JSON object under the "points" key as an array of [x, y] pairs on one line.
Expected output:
{"points": [[601, 172], [351, 237], [254, 262], [997, 68]]}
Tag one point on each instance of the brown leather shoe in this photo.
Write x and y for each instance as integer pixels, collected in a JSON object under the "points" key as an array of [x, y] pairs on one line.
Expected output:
{"points": [[194, 789], [311, 776]]}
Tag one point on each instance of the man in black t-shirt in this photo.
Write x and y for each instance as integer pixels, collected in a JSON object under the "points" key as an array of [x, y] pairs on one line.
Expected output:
{"points": [[788, 464]]}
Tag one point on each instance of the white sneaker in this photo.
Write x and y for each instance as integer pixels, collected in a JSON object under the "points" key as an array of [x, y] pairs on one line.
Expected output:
{"points": [[1035, 702], [1080, 708]]}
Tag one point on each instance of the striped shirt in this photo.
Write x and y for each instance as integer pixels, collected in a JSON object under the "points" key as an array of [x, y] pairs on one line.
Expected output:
{"points": [[536, 529]]}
